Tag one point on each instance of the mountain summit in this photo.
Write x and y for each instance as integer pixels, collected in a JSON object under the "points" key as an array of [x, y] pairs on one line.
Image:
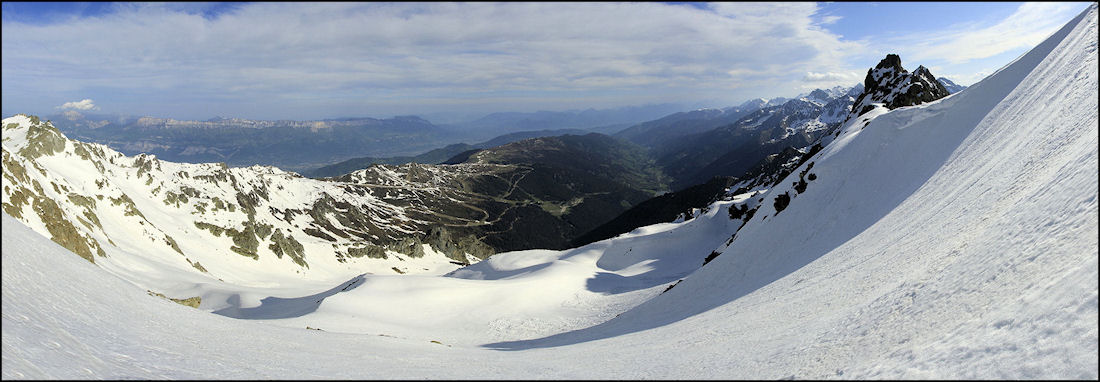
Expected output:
{"points": [[888, 83]]}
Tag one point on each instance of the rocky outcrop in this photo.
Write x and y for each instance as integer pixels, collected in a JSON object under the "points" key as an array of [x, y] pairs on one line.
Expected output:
{"points": [[890, 85]]}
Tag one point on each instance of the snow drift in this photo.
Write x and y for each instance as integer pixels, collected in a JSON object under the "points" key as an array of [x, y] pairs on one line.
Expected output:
{"points": [[954, 239]]}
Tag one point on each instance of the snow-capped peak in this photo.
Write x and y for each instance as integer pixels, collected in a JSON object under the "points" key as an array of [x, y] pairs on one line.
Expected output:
{"points": [[951, 86]]}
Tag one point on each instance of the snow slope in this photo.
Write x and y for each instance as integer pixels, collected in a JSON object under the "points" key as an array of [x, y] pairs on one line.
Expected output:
{"points": [[954, 239]]}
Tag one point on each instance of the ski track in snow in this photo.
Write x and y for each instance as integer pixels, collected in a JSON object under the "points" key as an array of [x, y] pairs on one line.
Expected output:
{"points": [[954, 239]]}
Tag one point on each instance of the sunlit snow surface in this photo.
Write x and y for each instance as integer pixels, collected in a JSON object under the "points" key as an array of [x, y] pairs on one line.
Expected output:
{"points": [[956, 239]]}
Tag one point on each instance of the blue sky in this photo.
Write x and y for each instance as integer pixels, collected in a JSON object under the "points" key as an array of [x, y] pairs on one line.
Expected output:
{"points": [[312, 61]]}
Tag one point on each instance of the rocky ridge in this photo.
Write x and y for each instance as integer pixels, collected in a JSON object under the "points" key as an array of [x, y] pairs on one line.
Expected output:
{"points": [[259, 222], [215, 220]]}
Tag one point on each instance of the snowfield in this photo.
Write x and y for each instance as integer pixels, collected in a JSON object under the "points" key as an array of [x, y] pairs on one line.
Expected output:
{"points": [[954, 239]]}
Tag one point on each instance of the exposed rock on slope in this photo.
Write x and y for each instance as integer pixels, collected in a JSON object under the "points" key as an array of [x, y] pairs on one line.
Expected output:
{"points": [[262, 223], [535, 193], [230, 223]]}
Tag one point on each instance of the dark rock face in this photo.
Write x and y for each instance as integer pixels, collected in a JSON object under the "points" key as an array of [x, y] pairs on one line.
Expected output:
{"points": [[925, 89], [781, 202], [890, 84], [892, 61]]}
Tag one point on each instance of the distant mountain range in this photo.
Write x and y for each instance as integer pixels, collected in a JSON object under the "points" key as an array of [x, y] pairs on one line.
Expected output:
{"points": [[669, 138], [658, 131], [308, 145], [241, 142], [605, 121], [951, 86], [435, 156], [731, 149]]}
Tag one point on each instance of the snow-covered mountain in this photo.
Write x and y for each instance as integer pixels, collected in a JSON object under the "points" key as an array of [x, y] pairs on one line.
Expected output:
{"points": [[950, 86], [887, 85], [956, 238], [733, 148], [239, 225], [760, 103], [826, 95], [235, 225], [687, 144]]}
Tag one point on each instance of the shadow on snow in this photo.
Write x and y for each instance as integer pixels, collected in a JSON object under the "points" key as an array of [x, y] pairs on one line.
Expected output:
{"points": [[278, 307]]}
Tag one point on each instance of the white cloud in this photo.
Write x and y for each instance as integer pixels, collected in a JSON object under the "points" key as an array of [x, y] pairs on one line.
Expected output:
{"points": [[84, 104], [831, 77], [822, 80], [968, 79], [829, 20], [375, 52], [1029, 25]]}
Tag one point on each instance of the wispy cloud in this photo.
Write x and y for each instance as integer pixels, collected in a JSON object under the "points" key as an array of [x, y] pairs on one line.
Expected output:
{"points": [[295, 60], [84, 104], [827, 20], [1029, 25]]}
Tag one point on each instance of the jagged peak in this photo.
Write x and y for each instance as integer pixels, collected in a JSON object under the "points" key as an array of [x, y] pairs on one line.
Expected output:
{"points": [[890, 85], [923, 72], [856, 90], [891, 61]]}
